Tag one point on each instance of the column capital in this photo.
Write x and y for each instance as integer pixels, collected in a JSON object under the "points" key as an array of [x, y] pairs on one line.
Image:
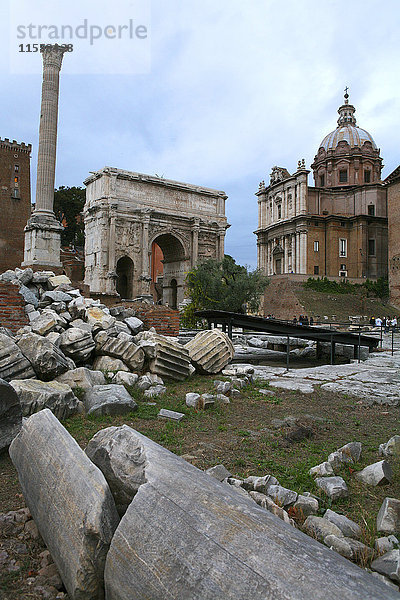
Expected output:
{"points": [[52, 56]]}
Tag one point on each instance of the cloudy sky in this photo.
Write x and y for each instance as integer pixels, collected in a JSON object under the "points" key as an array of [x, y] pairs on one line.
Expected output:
{"points": [[228, 90]]}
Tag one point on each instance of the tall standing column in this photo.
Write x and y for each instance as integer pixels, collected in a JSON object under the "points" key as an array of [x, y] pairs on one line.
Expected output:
{"points": [[43, 231]]}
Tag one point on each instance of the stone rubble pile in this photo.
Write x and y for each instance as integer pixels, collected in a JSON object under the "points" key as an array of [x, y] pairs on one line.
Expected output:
{"points": [[73, 342], [20, 530], [111, 523], [334, 530]]}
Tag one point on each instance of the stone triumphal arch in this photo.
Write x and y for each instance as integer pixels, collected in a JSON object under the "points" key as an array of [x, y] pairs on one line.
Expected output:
{"points": [[144, 232]]}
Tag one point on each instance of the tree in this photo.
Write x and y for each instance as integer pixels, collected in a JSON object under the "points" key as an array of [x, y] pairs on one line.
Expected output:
{"points": [[68, 206], [223, 286]]}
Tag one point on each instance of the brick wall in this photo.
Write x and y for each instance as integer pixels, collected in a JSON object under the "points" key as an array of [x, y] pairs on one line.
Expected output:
{"points": [[15, 197], [12, 305], [165, 320]]}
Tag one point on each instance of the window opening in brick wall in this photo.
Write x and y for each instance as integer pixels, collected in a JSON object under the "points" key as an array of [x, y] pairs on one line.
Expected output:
{"points": [[371, 247], [342, 247]]}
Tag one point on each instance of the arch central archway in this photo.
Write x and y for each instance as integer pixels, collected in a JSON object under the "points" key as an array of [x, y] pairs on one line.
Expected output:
{"points": [[169, 288]]}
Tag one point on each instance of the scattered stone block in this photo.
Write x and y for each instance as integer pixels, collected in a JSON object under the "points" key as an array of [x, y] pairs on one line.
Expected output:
{"points": [[305, 506], [155, 391], [267, 503], [222, 398], [210, 351], [8, 275], [134, 324], [109, 400], [281, 495], [323, 470], [42, 276], [44, 323], [262, 484], [193, 400], [388, 565], [77, 344], [170, 414], [320, 528], [35, 395], [349, 548], [28, 296], [47, 360], [379, 473], [386, 544], [391, 448], [107, 364], [144, 383], [119, 455], [57, 296], [222, 387], [82, 378], [79, 324], [219, 472], [348, 527], [99, 318], [248, 483], [56, 280], [13, 364], [334, 487], [124, 378], [54, 337], [10, 414], [388, 519], [349, 453], [75, 513]]}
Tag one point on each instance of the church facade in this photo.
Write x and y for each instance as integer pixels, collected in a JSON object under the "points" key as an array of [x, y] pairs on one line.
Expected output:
{"points": [[339, 226]]}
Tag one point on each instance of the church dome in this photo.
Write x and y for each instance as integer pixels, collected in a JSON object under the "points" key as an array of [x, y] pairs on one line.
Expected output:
{"points": [[348, 155], [354, 136], [347, 130]]}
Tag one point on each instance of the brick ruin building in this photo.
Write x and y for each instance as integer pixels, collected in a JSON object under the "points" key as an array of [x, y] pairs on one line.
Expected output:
{"points": [[392, 183], [15, 191]]}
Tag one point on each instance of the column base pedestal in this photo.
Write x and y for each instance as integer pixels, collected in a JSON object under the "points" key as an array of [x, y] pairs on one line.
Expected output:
{"points": [[42, 243]]}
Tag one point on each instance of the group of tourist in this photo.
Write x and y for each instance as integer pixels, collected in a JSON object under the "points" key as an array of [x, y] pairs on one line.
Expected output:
{"points": [[386, 322], [303, 320]]}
